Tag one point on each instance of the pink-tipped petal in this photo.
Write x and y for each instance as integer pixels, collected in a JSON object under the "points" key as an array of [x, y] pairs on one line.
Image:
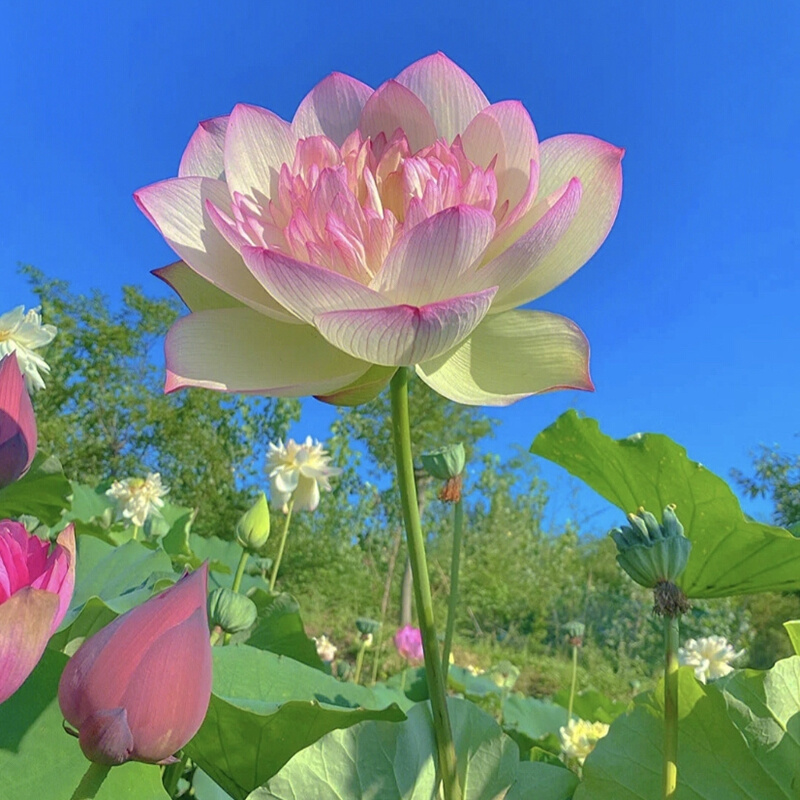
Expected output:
{"points": [[511, 356], [504, 131], [238, 350], [203, 156], [332, 108], [25, 623], [521, 262], [257, 144], [449, 94], [305, 289], [404, 335], [597, 164], [426, 265], [179, 210], [196, 292], [18, 432], [392, 106]]}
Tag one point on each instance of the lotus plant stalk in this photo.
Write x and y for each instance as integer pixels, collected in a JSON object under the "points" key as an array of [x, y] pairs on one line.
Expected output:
{"points": [[574, 681], [455, 565], [91, 782], [671, 633], [422, 588], [237, 582], [274, 575]]}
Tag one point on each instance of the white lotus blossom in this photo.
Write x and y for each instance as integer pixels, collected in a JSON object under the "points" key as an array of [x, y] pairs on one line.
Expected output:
{"points": [[711, 657], [138, 498], [22, 333], [326, 650], [579, 737], [299, 470]]}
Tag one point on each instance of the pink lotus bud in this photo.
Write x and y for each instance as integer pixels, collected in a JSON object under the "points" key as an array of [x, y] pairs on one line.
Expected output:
{"points": [[35, 592], [408, 641], [139, 688], [17, 423]]}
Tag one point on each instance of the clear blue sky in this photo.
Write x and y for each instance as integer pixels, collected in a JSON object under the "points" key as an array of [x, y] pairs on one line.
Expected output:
{"points": [[690, 306]]}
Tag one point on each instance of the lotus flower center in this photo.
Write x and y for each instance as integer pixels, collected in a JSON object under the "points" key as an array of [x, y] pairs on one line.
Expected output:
{"points": [[343, 208]]}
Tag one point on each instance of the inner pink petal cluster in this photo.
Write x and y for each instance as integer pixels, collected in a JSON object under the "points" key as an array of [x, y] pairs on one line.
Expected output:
{"points": [[344, 208]]}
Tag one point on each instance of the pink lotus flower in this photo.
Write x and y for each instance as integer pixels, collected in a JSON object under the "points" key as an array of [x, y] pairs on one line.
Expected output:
{"points": [[408, 641], [18, 434], [139, 688], [36, 586], [386, 228]]}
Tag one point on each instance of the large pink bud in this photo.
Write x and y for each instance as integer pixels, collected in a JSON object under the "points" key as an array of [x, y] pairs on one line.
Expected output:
{"points": [[139, 688], [36, 586], [17, 423]]}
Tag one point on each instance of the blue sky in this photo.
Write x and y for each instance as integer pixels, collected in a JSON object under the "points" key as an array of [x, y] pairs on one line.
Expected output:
{"points": [[690, 306]]}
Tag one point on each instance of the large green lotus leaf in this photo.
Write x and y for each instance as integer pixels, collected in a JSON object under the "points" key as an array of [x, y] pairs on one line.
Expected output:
{"points": [[765, 707], [280, 630], [531, 717], [539, 781], [464, 682], [591, 705], [265, 708], [385, 761], [716, 758], [109, 581], [793, 629], [43, 492], [39, 760], [730, 553], [226, 554]]}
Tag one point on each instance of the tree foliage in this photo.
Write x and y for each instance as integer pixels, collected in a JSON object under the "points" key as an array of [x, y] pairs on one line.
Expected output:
{"points": [[104, 413], [777, 476]]}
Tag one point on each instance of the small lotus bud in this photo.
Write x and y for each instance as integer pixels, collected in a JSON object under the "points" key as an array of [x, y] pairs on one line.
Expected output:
{"points": [[651, 553], [445, 463], [233, 612], [365, 625], [252, 529]]}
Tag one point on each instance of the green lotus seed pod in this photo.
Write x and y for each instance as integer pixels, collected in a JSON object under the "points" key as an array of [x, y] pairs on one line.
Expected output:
{"points": [[252, 529], [575, 629], [366, 626], [651, 553], [233, 612], [445, 463]]}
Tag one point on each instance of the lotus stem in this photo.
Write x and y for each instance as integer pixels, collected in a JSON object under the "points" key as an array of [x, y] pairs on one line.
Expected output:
{"points": [[173, 773], [422, 588], [91, 782], [274, 574], [360, 661], [452, 601], [237, 582], [574, 684], [671, 639]]}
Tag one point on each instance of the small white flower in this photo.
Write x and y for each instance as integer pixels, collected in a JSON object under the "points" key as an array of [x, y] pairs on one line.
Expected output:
{"points": [[579, 737], [711, 657], [138, 498], [23, 333], [299, 470], [326, 650]]}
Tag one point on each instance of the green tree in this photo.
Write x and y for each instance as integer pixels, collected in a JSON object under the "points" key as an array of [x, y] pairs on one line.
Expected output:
{"points": [[104, 413], [776, 476]]}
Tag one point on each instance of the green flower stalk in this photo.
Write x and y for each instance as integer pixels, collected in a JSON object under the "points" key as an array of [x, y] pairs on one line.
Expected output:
{"points": [[447, 464], [575, 630], [443, 732], [281, 546], [655, 556]]}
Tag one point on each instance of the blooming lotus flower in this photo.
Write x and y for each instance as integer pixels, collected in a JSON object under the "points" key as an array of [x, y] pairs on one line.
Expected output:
{"points": [[18, 434], [36, 585], [710, 656], [381, 228], [326, 650], [298, 471], [138, 498], [140, 688], [22, 334], [579, 737], [408, 641]]}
